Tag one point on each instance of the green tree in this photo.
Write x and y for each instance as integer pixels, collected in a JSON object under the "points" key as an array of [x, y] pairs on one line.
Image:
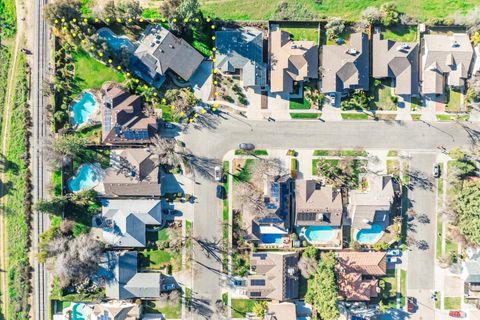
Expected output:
{"points": [[260, 308], [457, 154], [322, 289], [69, 145], [183, 100], [390, 14], [62, 9], [334, 27], [466, 206], [53, 206]]}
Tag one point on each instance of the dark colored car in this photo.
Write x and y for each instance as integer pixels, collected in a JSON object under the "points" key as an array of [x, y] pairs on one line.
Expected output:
{"points": [[221, 192], [411, 304], [436, 171], [457, 314], [246, 146]]}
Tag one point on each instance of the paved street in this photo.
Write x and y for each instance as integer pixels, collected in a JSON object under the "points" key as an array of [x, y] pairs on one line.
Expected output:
{"points": [[421, 257]]}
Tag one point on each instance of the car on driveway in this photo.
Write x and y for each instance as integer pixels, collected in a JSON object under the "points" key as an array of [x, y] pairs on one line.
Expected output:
{"points": [[392, 259], [221, 192], [246, 146], [394, 252], [168, 287], [436, 171], [218, 174], [457, 314], [411, 304]]}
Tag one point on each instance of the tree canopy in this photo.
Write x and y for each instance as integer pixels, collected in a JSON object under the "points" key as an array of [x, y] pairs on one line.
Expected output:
{"points": [[466, 206]]}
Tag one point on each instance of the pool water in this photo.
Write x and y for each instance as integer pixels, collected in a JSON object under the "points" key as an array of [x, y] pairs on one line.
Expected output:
{"points": [[80, 311], [86, 178], [83, 108], [319, 233], [114, 41], [370, 235], [272, 238]]}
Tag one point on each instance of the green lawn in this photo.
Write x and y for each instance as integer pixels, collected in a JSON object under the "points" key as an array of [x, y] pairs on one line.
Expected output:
{"points": [[416, 117], [415, 103], [438, 302], [452, 303], [393, 167], [382, 96], [453, 104], [56, 182], [392, 153], [169, 310], [347, 9], [243, 175], [257, 152], [400, 32], [301, 103], [301, 115], [151, 13], [92, 133], [154, 259], [446, 117], [91, 74], [438, 242], [403, 286], [301, 32], [200, 39], [240, 307], [355, 116], [334, 162]]}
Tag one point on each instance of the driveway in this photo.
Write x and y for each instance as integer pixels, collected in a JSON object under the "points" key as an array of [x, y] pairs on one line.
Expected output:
{"points": [[421, 255]]}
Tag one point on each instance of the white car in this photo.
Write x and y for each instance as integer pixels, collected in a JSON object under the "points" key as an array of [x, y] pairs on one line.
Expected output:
{"points": [[218, 174], [392, 259]]}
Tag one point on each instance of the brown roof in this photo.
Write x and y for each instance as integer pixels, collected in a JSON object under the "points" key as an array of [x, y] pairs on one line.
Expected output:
{"points": [[290, 60], [275, 276], [316, 204], [352, 267], [123, 121], [134, 173], [281, 311]]}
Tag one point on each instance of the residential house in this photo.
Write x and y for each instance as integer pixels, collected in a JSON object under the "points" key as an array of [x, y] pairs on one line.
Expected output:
{"points": [[280, 311], [357, 272], [372, 206], [398, 61], [128, 283], [446, 61], [134, 173], [239, 52], [117, 310], [160, 52], [123, 120], [346, 67], [274, 276], [124, 222], [291, 61], [471, 281]]}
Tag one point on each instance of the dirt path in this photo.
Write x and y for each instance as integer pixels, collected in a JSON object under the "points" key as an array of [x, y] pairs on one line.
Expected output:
{"points": [[9, 99]]}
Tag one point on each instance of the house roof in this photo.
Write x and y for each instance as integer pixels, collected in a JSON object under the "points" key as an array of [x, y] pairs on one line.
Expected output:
{"points": [[275, 276], [444, 54], [116, 310], [128, 282], [290, 60], [160, 51], [366, 207], [472, 271], [241, 49], [352, 267], [316, 204], [134, 172], [130, 219], [281, 311], [346, 66], [123, 121], [397, 60]]}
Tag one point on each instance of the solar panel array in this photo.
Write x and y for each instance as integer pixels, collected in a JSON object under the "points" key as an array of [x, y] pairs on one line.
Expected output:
{"points": [[257, 282], [136, 135], [107, 123]]}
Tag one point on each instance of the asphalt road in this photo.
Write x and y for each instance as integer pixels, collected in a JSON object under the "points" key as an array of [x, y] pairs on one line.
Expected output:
{"points": [[39, 171], [421, 257], [210, 141]]}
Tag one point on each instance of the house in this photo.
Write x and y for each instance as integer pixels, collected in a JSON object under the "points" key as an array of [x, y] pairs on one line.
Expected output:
{"points": [[240, 52], [134, 173], [280, 311], [128, 283], [123, 120], [124, 222], [117, 310], [471, 281], [346, 67], [357, 272], [291, 61], [317, 205], [397, 61], [160, 52], [274, 276], [372, 206], [446, 61]]}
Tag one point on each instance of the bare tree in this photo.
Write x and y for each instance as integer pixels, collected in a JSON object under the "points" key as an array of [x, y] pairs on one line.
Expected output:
{"points": [[271, 169], [307, 266], [251, 199], [175, 237], [169, 152]]}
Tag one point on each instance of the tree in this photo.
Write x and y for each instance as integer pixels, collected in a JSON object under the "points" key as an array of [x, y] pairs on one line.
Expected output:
{"points": [[53, 206], [260, 308], [307, 266], [390, 13], [334, 27], [62, 9], [475, 37], [188, 9], [322, 289], [168, 8], [269, 170], [457, 154], [182, 99], [372, 15], [466, 205], [169, 152], [342, 174], [251, 199], [69, 145]]}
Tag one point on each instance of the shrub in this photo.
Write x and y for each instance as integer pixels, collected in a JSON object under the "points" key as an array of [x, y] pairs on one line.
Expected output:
{"points": [[334, 27]]}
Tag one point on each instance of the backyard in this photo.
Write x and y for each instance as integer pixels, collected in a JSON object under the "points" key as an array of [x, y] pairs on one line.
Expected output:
{"points": [[301, 31], [400, 32]]}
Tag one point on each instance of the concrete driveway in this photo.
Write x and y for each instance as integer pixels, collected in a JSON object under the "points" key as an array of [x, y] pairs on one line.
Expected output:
{"points": [[201, 81]]}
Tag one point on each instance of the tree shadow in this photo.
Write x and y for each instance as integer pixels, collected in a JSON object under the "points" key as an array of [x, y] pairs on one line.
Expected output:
{"points": [[7, 165], [202, 165], [419, 179], [5, 188]]}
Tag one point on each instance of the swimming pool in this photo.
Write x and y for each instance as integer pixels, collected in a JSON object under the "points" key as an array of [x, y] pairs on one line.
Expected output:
{"points": [[371, 235], [319, 233], [83, 108], [86, 178], [80, 311], [272, 238], [114, 41]]}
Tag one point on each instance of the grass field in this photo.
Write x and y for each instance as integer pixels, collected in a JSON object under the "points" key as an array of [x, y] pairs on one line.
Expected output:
{"points": [[241, 306], [298, 104], [302, 31], [382, 96], [347, 9], [91, 74], [400, 32]]}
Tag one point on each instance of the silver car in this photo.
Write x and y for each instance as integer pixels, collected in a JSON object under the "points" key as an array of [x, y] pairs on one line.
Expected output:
{"points": [[218, 174]]}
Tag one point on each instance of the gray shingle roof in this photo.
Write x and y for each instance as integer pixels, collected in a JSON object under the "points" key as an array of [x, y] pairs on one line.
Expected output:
{"points": [[472, 271], [241, 49]]}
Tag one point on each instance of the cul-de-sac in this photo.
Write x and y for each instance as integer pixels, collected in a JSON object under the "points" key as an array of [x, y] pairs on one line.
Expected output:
{"points": [[239, 159]]}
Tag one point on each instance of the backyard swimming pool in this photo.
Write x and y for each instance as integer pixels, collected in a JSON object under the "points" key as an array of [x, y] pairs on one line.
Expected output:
{"points": [[272, 238], [114, 41], [80, 311], [86, 178], [319, 233], [371, 235], [83, 108]]}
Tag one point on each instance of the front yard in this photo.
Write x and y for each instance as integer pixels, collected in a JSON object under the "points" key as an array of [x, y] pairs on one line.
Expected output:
{"points": [[240, 307], [454, 101], [168, 309], [160, 253], [382, 95]]}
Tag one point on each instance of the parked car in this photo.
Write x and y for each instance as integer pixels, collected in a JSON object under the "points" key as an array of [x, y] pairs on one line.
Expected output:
{"points": [[221, 192], [218, 174], [168, 125], [246, 146], [436, 171], [168, 287], [457, 314], [392, 259], [394, 252], [411, 304]]}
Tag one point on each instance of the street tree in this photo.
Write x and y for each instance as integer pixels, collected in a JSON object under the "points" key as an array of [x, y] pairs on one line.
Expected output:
{"points": [[260, 308], [69, 145], [251, 199], [466, 205], [269, 170]]}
